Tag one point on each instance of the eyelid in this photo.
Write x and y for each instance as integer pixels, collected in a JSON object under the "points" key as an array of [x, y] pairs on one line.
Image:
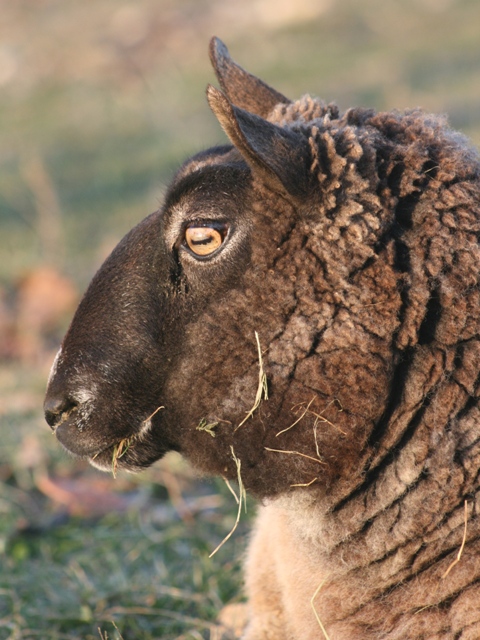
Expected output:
{"points": [[219, 225]]}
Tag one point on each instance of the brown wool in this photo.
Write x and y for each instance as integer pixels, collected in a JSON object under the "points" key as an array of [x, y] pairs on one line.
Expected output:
{"points": [[347, 287]]}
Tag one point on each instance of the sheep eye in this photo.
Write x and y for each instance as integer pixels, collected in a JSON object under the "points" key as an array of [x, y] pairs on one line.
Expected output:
{"points": [[203, 240]]}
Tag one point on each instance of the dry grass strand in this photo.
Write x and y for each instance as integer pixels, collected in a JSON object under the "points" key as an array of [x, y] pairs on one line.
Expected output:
{"points": [[460, 551], [295, 453], [304, 484], [152, 414], [315, 612], [319, 417], [262, 389], [119, 450], [232, 490], [241, 501], [298, 419], [322, 418]]}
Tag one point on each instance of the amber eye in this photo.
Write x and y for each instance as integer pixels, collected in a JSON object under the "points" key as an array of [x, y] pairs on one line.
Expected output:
{"points": [[204, 240]]}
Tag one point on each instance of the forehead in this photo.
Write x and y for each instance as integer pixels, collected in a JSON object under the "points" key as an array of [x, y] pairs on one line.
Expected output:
{"points": [[216, 173], [208, 157]]}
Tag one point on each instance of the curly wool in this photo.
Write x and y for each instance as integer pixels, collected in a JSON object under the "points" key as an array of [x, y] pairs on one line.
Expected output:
{"points": [[351, 250], [399, 527], [385, 270]]}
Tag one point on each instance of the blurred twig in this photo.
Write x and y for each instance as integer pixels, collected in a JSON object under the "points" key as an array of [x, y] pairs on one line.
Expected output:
{"points": [[49, 224]]}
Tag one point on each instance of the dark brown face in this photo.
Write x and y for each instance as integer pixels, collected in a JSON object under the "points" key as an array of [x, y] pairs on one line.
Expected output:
{"points": [[106, 393]]}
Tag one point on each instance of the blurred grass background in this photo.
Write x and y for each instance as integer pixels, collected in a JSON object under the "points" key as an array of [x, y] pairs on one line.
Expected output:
{"points": [[99, 103]]}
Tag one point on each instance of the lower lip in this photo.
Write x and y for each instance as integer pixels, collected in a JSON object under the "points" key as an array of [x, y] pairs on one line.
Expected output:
{"points": [[67, 433]]}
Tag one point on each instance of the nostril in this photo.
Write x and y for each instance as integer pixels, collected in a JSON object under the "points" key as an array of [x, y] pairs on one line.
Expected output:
{"points": [[55, 408]]}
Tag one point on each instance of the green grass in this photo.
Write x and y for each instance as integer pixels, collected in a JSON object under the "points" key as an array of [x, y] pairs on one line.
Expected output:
{"points": [[138, 573], [71, 578]]}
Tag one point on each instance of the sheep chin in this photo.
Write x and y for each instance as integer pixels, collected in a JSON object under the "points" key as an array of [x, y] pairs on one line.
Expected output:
{"points": [[100, 463], [111, 459]]}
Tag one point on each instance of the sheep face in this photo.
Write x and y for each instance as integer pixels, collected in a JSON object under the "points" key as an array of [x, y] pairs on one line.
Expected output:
{"points": [[110, 375], [297, 261], [170, 321]]}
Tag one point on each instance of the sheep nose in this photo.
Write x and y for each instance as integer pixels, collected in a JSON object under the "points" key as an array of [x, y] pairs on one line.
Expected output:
{"points": [[55, 407]]}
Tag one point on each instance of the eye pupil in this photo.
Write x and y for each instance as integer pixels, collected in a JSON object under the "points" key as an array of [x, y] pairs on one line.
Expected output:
{"points": [[202, 240]]}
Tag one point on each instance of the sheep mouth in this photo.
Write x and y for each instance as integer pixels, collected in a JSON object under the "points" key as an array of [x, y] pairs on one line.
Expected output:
{"points": [[76, 433], [105, 456], [84, 433], [132, 454]]}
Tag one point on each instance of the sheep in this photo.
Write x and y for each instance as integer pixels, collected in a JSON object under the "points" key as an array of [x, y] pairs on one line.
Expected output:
{"points": [[303, 313]]}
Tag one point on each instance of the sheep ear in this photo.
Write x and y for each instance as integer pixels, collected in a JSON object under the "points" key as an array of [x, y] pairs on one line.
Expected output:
{"points": [[279, 157], [241, 88]]}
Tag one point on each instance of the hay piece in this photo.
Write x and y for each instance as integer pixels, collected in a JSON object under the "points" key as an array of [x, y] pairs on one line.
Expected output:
{"points": [[305, 484], [232, 490], [315, 425], [209, 427], [262, 388], [323, 419], [241, 500], [312, 604], [460, 551], [144, 423], [298, 419], [295, 453], [319, 416], [119, 450]]}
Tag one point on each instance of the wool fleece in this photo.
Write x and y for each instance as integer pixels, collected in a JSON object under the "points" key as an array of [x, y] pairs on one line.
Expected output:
{"points": [[303, 312]]}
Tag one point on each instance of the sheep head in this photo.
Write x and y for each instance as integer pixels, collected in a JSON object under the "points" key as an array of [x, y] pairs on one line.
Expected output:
{"points": [[315, 256]]}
